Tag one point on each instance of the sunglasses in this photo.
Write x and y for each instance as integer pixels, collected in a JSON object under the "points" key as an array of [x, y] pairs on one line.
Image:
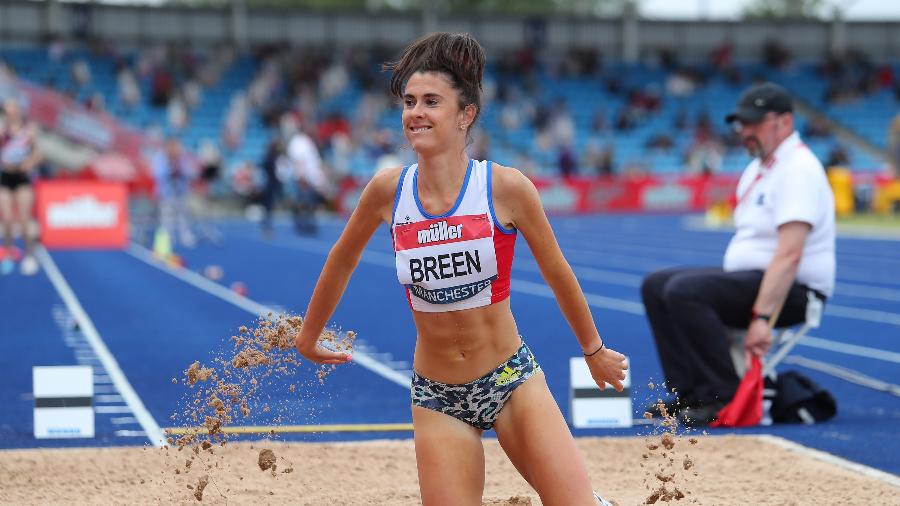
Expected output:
{"points": [[739, 125]]}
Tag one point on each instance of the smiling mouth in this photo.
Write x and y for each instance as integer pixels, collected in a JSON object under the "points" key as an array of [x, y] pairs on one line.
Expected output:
{"points": [[419, 129]]}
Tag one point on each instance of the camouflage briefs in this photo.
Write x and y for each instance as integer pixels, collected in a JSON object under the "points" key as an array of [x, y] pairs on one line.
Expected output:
{"points": [[479, 402]]}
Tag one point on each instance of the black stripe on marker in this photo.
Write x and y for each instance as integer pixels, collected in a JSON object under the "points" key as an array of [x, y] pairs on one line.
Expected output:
{"points": [[63, 402], [596, 393]]}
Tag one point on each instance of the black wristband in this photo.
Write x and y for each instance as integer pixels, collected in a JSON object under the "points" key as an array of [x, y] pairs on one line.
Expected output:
{"points": [[595, 352], [764, 317]]}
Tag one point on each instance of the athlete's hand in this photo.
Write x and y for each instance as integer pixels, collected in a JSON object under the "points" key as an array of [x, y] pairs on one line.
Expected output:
{"points": [[319, 354], [607, 366]]}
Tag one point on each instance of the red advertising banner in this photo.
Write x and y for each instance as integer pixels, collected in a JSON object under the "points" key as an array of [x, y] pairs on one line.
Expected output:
{"points": [[82, 214], [644, 193]]}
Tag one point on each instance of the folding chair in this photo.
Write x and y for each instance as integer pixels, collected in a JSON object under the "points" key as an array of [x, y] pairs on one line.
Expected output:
{"points": [[782, 342]]}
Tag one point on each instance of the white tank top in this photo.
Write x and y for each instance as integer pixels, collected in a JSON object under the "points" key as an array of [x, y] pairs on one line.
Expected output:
{"points": [[15, 148], [458, 260]]}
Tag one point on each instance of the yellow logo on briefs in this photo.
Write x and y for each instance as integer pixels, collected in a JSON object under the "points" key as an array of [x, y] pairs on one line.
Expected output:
{"points": [[507, 376]]}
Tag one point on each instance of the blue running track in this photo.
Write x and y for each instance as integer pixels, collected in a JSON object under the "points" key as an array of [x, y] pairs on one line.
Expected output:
{"points": [[155, 324]]}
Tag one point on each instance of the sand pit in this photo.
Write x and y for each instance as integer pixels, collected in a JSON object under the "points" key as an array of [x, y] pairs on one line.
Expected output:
{"points": [[730, 470], [204, 465]]}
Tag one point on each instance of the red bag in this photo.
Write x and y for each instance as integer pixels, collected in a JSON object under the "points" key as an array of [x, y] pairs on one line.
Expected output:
{"points": [[745, 409]]}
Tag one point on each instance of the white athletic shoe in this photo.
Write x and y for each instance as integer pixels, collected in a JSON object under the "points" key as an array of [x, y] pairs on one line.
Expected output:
{"points": [[29, 266], [601, 501]]}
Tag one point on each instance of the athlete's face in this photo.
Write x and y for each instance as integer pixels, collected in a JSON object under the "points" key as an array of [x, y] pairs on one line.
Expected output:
{"points": [[762, 137], [432, 118]]}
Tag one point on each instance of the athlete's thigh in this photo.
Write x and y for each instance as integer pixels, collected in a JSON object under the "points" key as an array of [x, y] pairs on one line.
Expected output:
{"points": [[24, 201], [450, 459], [6, 204], [537, 440]]}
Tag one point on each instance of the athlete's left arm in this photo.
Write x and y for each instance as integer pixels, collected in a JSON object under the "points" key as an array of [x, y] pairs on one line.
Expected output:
{"points": [[518, 204]]}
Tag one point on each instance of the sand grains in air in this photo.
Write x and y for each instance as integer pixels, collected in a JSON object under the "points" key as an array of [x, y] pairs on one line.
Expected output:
{"points": [[667, 466], [238, 384]]}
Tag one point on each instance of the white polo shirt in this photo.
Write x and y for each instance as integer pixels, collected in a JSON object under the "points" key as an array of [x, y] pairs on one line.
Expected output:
{"points": [[792, 186]]}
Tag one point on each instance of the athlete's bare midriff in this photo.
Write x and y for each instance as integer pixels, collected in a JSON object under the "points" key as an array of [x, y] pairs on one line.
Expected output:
{"points": [[460, 346]]}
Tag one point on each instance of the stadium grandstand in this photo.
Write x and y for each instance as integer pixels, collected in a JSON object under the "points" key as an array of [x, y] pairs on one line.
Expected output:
{"points": [[592, 97]]}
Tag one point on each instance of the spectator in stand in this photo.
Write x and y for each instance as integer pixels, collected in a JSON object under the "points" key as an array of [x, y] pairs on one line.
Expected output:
{"points": [[129, 90], [838, 157], [817, 127], [334, 124], [205, 187], [599, 160], [309, 174], [177, 114], [235, 122], [680, 84], [721, 56], [273, 166], [174, 173], [161, 88], [19, 159], [81, 73], [660, 141], [705, 156], [894, 145], [568, 163], [775, 55], [562, 125]]}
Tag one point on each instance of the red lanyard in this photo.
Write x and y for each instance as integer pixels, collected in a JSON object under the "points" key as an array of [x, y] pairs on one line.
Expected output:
{"points": [[764, 169]]}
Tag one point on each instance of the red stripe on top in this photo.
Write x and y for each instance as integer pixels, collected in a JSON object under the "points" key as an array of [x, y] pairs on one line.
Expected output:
{"points": [[476, 226], [504, 246]]}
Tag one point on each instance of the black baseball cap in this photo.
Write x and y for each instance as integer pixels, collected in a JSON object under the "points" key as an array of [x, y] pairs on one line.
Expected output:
{"points": [[758, 100]]}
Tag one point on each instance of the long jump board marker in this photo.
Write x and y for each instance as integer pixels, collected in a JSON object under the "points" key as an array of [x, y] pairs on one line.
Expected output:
{"points": [[593, 408], [63, 401], [284, 429], [151, 428]]}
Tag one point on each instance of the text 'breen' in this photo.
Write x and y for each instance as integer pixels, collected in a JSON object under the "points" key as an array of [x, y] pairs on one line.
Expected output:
{"points": [[447, 265]]}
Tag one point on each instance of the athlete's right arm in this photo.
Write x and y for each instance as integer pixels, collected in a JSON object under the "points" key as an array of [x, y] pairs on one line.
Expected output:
{"points": [[375, 206]]}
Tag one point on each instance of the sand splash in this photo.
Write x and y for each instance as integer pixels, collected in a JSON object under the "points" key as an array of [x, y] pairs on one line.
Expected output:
{"points": [[238, 384]]}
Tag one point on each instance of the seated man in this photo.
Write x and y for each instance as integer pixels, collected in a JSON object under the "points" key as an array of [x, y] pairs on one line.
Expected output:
{"points": [[783, 247]]}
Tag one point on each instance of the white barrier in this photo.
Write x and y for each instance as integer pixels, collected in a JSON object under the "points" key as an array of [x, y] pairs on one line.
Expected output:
{"points": [[63, 402], [592, 407]]}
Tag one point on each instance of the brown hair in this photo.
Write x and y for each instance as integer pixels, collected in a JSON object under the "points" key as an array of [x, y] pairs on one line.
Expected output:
{"points": [[457, 55]]}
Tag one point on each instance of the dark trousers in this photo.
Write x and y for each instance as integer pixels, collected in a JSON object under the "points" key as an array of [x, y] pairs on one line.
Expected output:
{"points": [[308, 199], [690, 311]]}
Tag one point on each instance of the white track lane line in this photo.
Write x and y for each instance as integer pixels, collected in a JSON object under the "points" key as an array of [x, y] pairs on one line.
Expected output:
{"points": [[869, 315], [844, 373], [251, 306], [867, 291], [134, 403], [865, 470], [849, 349]]}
